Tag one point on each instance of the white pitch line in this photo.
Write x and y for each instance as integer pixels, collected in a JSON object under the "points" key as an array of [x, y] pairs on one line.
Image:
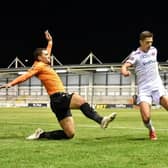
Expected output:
{"points": [[130, 128], [82, 125]]}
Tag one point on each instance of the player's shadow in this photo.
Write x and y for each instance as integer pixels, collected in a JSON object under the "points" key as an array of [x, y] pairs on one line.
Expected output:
{"points": [[12, 137], [136, 139], [121, 138]]}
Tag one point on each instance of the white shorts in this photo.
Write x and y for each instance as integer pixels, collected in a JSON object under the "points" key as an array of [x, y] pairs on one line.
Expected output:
{"points": [[151, 97]]}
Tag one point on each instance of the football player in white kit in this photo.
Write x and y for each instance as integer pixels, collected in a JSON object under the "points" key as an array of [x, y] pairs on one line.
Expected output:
{"points": [[149, 83]]}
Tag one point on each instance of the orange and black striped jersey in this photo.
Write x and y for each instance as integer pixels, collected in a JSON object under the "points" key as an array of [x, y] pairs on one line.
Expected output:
{"points": [[46, 74]]}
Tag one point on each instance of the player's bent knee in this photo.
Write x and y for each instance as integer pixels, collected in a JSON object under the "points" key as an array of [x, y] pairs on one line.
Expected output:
{"points": [[71, 135]]}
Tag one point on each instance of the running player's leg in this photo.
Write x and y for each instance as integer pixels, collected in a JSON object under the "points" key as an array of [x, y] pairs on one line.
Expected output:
{"points": [[164, 102], [145, 110], [161, 97]]}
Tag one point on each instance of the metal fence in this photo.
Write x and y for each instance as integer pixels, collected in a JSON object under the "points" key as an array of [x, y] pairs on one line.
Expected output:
{"points": [[95, 86]]}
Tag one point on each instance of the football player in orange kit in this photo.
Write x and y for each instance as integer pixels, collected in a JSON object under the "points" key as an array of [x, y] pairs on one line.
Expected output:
{"points": [[61, 102]]}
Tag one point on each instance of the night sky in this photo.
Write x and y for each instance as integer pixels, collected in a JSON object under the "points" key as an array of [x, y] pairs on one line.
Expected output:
{"points": [[110, 32]]}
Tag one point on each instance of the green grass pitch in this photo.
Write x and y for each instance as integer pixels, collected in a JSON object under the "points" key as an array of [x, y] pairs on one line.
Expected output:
{"points": [[124, 144]]}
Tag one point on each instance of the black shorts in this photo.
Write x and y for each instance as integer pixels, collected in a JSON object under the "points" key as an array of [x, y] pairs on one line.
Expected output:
{"points": [[60, 103]]}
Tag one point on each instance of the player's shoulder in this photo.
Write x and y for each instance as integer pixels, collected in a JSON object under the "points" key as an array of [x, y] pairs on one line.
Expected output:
{"points": [[152, 48], [153, 51], [135, 52], [38, 65]]}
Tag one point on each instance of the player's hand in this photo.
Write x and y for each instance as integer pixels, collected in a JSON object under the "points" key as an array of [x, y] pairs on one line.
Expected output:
{"points": [[126, 73], [5, 86], [48, 35], [1, 87]]}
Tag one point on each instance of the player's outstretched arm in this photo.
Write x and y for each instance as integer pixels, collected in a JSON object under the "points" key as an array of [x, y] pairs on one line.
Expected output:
{"points": [[50, 41]]}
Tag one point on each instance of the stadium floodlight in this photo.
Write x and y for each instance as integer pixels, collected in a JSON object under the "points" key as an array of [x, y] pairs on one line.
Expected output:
{"points": [[61, 70], [102, 69]]}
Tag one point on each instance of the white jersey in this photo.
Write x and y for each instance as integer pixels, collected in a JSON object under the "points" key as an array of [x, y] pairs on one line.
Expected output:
{"points": [[146, 69]]}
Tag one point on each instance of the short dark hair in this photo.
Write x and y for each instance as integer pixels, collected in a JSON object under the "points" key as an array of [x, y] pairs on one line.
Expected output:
{"points": [[37, 53], [145, 34]]}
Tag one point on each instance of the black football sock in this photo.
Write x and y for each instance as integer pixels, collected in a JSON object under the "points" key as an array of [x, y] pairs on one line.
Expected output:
{"points": [[58, 134], [89, 112]]}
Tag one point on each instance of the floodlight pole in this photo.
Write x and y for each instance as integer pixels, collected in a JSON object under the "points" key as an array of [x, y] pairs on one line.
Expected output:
{"points": [[90, 58], [54, 58], [16, 61]]}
